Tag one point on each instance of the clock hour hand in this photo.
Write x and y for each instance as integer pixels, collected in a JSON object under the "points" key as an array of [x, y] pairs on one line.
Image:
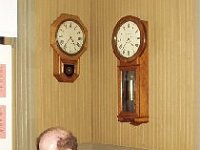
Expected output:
{"points": [[132, 44], [72, 41], [124, 46], [125, 43]]}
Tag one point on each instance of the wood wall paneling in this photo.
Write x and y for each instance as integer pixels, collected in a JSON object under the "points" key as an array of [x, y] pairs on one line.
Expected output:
{"points": [[61, 104], [171, 100], [88, 107]]}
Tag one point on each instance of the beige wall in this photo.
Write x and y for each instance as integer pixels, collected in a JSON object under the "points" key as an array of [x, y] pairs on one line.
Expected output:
{"points": [[171, 74], [88, 107], [61, 104]]}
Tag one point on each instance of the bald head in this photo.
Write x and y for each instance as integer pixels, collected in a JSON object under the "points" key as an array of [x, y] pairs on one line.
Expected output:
{"points": [[56, 139]]}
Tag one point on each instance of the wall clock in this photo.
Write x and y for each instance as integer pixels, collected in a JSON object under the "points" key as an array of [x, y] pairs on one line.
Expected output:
{"points": [[130, 46], [69, 42]]}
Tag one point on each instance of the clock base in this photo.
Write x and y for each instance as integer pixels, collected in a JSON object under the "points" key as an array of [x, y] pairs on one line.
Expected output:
{"points": [[65, 70]]}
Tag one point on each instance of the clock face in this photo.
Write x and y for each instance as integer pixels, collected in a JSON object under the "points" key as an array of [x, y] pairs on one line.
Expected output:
{"points": [[128, 39], [70, 37]]}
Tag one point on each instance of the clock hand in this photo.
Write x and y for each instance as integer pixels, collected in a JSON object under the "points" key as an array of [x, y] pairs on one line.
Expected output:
{"points": [[72, 41], [69, 39], [124, 45], [132, 44]]}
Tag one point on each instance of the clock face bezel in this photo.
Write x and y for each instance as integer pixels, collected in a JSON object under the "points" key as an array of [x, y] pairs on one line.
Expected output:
{"points": [[143, 37], [54, 30]]}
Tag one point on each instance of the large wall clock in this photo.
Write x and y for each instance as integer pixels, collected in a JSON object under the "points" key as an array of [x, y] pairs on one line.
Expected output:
{"points": [[130, 46], [69, 42]]}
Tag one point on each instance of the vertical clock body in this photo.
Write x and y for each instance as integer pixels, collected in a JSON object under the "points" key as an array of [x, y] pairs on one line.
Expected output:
{"points": [[129, 42], [69, 42]]}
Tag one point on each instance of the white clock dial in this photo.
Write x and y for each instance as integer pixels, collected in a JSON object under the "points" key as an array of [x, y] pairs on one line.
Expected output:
{"points": [[70, 37], [128, 39]]}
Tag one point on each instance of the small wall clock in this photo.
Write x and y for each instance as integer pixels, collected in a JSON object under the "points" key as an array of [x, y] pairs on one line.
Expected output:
{"points": [[129, 42], [69, 42]]}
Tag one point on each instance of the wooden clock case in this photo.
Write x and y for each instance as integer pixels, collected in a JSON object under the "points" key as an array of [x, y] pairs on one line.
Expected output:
{"points": [[66, 67], [138, 64]]}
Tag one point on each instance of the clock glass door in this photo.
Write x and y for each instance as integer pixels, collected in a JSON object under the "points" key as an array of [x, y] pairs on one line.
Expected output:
{"points": [[128, 90]]}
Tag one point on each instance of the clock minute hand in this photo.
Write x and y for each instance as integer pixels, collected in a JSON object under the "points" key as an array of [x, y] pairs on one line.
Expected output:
{"points": [[125, 44], [69, 39]]}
